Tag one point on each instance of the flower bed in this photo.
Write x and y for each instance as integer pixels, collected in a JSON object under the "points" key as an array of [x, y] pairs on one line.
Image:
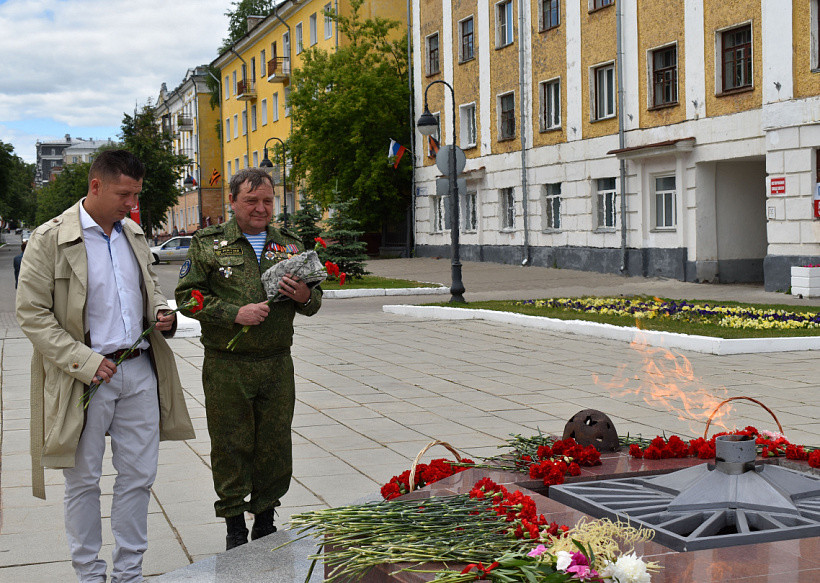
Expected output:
{"points": [[684, 311]]}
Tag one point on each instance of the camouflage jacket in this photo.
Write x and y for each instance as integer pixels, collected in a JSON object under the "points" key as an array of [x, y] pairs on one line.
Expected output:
{"points": [[222, 265]]}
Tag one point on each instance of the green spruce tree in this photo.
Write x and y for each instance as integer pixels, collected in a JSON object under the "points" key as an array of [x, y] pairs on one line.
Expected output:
{"points": [[305, 221], [342, 237]]}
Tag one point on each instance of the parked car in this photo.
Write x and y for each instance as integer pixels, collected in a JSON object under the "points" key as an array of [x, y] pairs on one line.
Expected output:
{"points": [[174, 249], [25, 234]]}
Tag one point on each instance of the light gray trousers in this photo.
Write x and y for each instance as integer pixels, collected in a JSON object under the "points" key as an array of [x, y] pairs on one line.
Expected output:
{"points": [[127, 409]]}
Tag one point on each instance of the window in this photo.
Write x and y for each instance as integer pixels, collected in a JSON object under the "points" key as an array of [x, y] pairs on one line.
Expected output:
{"points": [[227, 87], [507, 208], [606, 203], [432, 54], [550, 17], [665, 195], [470, 212], [504, 23], [736, 49], [233, 82], [244, 160], [287, 101], [604, 92], [275, 107], [314, 36], [596, 4], [299, 46], [236, 164], [286, 45], [256, 159], [228, 130], [441, 213], [230, 174], [550, 92], [664, 76], [467, 126], [328, 21], [431, 153], [552, 207], [262, 65], [253, 117], [244, 123], [815, 35], [466, 32], [506, 116], [264, 112], [253, 70], [235, 126]]}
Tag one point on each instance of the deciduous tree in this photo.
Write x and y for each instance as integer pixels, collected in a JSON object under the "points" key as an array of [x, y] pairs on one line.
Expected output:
{"points": [[16, 187], [347, 105], [62, 192]]}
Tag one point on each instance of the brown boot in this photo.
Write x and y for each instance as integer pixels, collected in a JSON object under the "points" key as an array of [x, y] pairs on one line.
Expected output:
{"points": [[237, 531]]}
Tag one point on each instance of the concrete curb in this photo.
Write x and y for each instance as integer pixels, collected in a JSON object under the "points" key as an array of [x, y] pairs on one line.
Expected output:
{"points": [[705, 344]]}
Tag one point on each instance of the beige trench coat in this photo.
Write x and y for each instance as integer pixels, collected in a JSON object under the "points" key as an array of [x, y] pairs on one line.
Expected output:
{"points": [[51, 303]]}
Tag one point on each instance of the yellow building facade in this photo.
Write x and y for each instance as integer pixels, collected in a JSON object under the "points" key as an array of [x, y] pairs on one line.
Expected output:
{"points": [[255, 80], [676, 139], [185, 113]]}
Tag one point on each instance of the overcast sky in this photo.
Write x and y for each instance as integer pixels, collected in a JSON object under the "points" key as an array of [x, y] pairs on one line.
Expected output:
{"points": [[75, 66]]}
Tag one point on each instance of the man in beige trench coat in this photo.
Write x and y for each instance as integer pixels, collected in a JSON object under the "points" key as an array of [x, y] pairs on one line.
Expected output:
{"points": [[86, 291]]}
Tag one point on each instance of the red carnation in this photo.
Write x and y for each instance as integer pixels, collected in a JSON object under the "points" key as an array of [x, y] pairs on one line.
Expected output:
{"points": [[635, 450], [814, 458], [200, 301], [320, 241]]}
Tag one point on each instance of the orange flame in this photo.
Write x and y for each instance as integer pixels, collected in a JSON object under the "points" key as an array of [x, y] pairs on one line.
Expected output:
{"points": [[667, 379]]}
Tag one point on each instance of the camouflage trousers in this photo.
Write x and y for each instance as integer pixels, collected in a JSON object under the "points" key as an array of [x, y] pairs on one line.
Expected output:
{"points": [[249, 403]]}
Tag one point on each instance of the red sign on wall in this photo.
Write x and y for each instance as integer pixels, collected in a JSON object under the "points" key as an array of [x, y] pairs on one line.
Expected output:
{"points": [[135, 213], [778, 185]]}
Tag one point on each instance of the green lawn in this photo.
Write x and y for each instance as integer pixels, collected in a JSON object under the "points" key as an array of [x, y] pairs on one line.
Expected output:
{"points": [[374, 282], [699, 326]]}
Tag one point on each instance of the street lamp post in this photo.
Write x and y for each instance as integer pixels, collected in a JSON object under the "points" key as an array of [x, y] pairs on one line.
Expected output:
{"points": [[427, 125], [188, 182], [266, 163]]}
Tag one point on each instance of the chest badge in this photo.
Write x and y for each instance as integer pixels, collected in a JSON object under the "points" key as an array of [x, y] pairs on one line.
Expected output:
{"points": [[226, 272]]}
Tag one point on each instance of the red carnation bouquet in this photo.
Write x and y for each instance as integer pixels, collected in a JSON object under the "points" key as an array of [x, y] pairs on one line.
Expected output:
{"points": [[192, 305]]}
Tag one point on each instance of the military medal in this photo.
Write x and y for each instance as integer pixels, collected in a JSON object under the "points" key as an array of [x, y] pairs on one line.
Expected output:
{"points": [[226, 271]]}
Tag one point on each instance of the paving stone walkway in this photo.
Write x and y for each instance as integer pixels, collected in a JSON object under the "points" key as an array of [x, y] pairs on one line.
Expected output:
{"points": [[374, 388]]}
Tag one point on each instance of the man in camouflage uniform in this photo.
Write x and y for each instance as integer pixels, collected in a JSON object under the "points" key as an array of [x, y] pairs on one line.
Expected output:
{"points": [[249, 392]]}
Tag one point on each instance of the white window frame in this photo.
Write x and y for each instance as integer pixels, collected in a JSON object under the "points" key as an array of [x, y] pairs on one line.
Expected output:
{"points": [[429, 71], [506, 209], [610, 103], [256, 159], [470, 219], [227, 87], [551, 208], [814, 38], [603, 197], [312, 30], [287, 102], [299, 44], [235, 126], [233, 82], [264, 112], [603, 4], [660, 208], [467, 125], [263, 64], [504, 24], [462, 58], [275, 107], [244, 122], [440, 219], [286, 45], [549, 108], [228, 130], [436, 134], [328, 21], [501, 113], [244, 160], [650, 60], [253, 117]]}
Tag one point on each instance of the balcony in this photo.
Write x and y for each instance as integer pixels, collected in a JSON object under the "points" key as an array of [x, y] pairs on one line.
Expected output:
{"points": [[185, 123], [246, 90], [279, 70]]}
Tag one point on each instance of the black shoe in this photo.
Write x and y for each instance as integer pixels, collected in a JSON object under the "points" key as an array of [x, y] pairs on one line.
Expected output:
{"points": [[237, 532], [263, 525]]}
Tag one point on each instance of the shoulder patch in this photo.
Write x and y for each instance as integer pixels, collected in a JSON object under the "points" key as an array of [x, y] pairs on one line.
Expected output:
{"points": [[208, 231], [288, 233], [186, 267]]}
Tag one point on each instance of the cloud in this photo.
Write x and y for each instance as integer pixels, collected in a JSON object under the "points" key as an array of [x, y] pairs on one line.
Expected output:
{"points": [[82, 63]]}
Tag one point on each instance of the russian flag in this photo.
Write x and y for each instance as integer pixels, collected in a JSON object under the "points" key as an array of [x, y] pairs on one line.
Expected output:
{"points": [[395, 152]]}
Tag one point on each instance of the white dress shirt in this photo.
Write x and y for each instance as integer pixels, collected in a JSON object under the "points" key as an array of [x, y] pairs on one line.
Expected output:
{"points": [[114, 305]]}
